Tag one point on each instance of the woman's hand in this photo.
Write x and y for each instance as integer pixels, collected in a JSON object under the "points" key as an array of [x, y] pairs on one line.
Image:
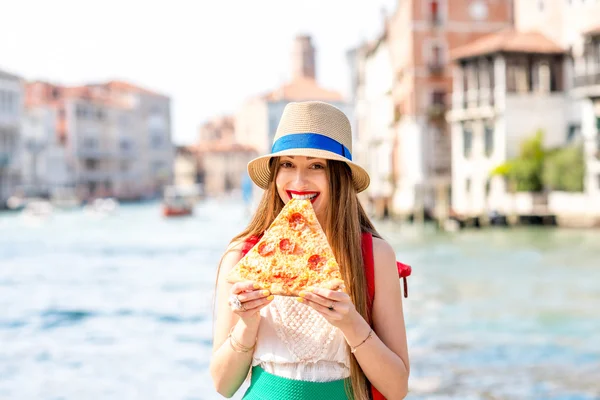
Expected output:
{"points": [[336, 307], [247, 299]]}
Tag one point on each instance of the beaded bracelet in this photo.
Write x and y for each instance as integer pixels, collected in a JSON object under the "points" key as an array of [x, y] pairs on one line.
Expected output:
{"points": [[353, 349], [237, 346]]}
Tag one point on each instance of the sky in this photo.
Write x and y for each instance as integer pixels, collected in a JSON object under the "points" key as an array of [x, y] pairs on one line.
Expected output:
{"points": [[208, 56]]}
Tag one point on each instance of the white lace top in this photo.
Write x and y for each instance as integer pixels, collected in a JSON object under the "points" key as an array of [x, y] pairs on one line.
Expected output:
{"points": [[296, 342]]}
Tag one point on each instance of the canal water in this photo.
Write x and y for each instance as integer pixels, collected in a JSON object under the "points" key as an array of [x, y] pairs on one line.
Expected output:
{"points": [[120, 307]]}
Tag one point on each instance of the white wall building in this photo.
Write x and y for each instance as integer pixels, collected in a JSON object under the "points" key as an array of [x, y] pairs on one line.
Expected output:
{"points": [[506, 87], [374, 108], [11, 110], [116, 137], [574, 25], [43, 160]]}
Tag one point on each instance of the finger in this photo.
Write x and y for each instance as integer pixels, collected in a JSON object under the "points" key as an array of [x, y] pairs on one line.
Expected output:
{"points": [[256, 305], [240, 287], [253, 295], [323, 310], [315, 298], [329, 294]]}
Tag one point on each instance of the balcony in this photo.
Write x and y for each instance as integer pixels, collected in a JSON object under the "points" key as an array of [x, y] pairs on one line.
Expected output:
{"points": [[435, 68], [94, 153], [587, 85], [587, 80], [436, 112], [95, 175]]}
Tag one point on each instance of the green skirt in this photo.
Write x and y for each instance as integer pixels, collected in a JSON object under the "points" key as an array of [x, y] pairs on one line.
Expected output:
{"points": [[266, 386]]}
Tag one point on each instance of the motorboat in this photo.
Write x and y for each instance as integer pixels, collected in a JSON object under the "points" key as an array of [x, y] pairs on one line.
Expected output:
{"points": [[179, 201], [102, 207]]}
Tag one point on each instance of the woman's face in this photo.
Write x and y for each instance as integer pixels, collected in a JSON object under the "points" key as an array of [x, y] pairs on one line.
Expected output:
{"points": [[304, 177]]}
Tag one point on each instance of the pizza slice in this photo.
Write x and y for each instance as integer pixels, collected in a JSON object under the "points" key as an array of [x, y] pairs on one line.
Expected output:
{"points": [[292, 255]]}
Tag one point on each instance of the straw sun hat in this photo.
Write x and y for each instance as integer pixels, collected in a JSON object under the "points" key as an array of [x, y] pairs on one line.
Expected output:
{"points": [[311, 129]]}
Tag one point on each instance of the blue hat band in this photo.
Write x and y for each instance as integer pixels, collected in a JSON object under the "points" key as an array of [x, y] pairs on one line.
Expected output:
{"points": [[311, 141]]}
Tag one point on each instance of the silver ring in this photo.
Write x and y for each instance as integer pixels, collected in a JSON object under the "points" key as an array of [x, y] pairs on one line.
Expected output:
{"points": [[330, 308], [235, 303]]}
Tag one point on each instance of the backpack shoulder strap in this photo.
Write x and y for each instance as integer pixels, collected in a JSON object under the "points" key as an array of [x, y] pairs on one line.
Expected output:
{"points": [[249, 243], [367, 253], [369, 262]]}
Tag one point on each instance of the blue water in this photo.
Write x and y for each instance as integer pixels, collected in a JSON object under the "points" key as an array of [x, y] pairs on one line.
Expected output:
{"points": [[120, 307]]}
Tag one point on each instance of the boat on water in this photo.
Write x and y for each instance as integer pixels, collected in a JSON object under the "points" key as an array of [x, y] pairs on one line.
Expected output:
{"points": [[102, 207], [179, 201], [37, 210]]}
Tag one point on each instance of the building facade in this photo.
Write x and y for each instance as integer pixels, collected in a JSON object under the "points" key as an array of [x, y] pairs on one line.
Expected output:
{"points": [[541, 75], [116, 137], [11, 111], [421, 35], [508, 86], [374, 122], [222, 161], [43, 160]]}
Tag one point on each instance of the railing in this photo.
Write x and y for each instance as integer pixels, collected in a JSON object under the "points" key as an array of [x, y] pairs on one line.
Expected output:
{"points": [[94, 153], [587, 80], [436, 112], [95, 175], [482, 97], [435, 68]]}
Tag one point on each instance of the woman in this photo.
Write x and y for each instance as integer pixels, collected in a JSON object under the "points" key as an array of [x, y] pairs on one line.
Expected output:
{"points": [[323, 344]]}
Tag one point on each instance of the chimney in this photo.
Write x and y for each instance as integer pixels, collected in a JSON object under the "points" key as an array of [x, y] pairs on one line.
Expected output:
{"points": [[303, 58]]}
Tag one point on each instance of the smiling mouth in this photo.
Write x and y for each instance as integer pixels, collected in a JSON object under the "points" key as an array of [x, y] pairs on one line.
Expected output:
{"points": [[312, 196]]}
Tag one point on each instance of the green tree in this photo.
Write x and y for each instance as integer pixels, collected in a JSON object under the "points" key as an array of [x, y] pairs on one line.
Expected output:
{"points": [[564, 169], [524, 173]]}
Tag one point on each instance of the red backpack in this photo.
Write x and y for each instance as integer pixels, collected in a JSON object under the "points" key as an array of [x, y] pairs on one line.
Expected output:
{"points": [[404, 272]]}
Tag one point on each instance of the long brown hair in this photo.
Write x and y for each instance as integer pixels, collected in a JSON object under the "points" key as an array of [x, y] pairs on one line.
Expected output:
{"points": [[345, 222]]}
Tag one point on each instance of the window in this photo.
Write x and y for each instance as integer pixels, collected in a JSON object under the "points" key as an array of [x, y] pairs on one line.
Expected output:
{"points": [[467, 141], [488, 187], [484, 74], [573, 131], [489, 139], [125, 145], [473, 77], [156, 141], [511, 77], [598, 138], [434, 11], [540, 5], [436, 57], [157, 167], [438, 97], [89, 143], [517, 73], [541, 80], [468, 185], [90, 164], [81, 111], [8, 103]]}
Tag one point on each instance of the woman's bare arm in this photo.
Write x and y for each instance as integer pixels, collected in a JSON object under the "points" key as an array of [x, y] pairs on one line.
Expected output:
{"points": [[228, 367], [384, 357]]}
